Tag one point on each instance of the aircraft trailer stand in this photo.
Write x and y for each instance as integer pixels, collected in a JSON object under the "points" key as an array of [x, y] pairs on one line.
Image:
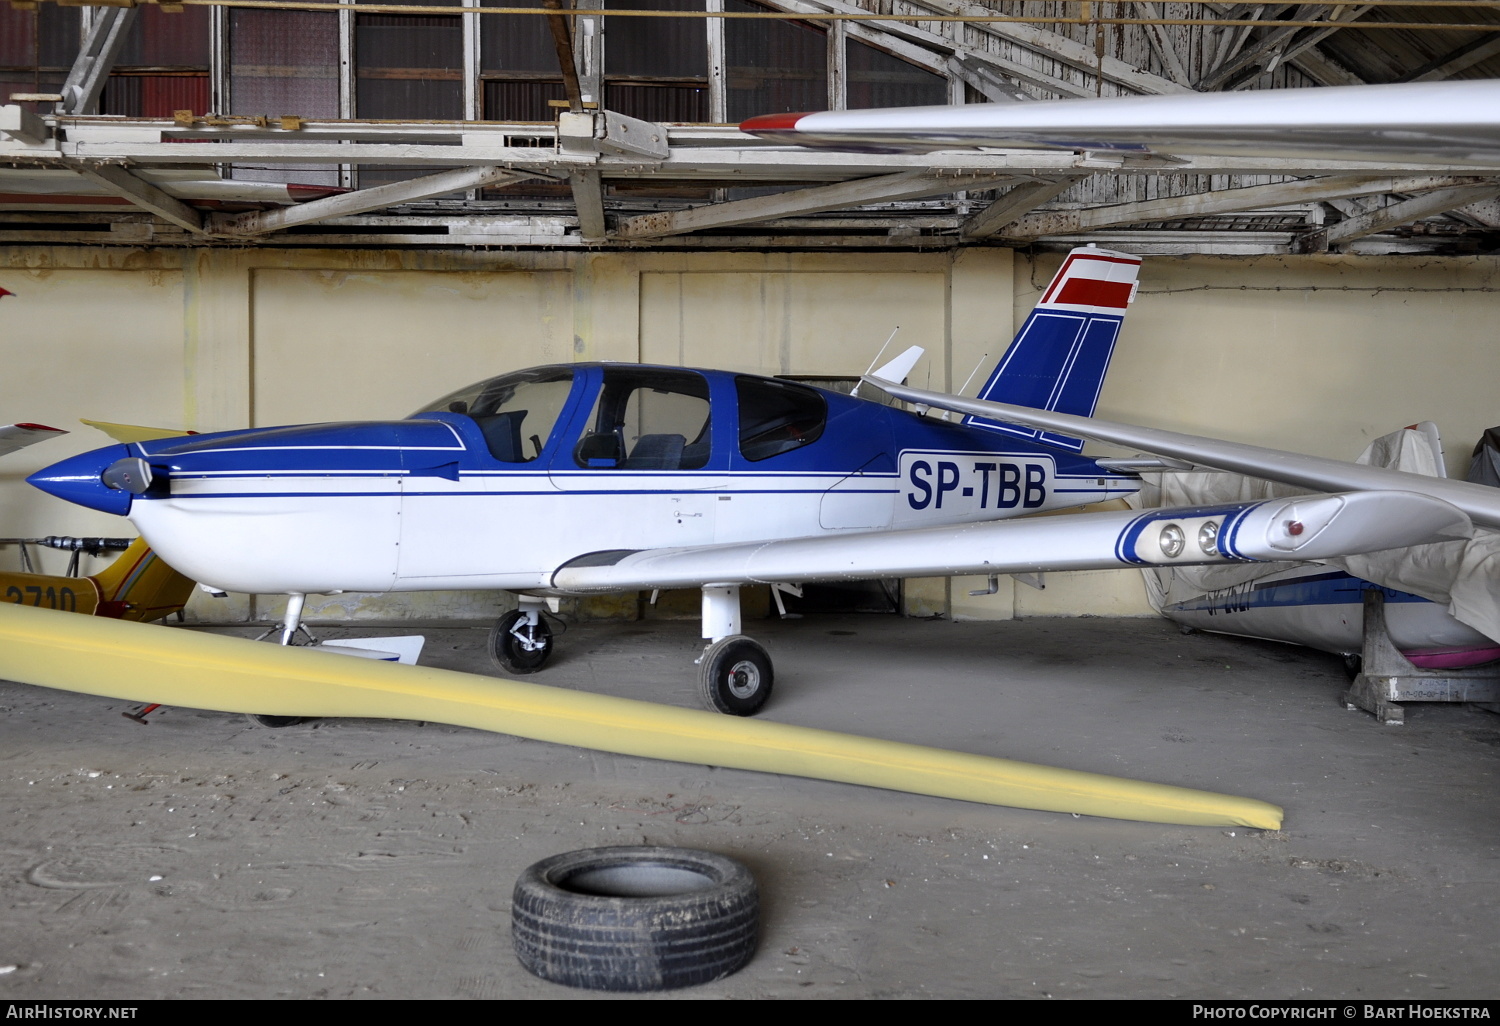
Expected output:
{"points": [[1387, 678]]}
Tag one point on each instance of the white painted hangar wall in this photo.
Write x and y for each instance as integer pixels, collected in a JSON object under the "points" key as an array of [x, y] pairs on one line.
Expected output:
{"points": [[1312, 353]]}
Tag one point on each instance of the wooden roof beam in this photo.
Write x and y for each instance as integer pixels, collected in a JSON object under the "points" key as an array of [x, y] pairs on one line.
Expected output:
{"points": [[1227, 201], [1014, 204], [1450, 64], [1406, 211]]}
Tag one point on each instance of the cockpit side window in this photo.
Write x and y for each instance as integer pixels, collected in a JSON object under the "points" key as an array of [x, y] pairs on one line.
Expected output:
{"points": [[647, 419], [516, 413], [777, 417]]}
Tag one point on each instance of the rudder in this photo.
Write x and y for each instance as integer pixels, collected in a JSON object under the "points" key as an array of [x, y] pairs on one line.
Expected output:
{"points": [[1059, 357], [139, 585]]}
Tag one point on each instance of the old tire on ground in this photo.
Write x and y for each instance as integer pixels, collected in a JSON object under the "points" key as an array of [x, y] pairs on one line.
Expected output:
{"points": [[635, 918], [736, 676]]}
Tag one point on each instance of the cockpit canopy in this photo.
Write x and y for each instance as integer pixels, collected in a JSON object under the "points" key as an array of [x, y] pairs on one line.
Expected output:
{"points": [[516, 412], [638, 418]]}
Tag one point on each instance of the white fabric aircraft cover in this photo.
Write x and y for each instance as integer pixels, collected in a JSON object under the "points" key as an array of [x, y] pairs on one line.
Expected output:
{"points": [[1463, 575]]}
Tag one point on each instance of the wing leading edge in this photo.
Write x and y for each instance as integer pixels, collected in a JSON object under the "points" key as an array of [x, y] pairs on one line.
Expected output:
{"points": [[1478, 502], [1453, 122], [1297, 528]]}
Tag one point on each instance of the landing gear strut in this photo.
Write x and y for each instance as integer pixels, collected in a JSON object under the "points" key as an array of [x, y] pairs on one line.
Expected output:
{"points": [[736, 671], [521, 640], [291, 623]]}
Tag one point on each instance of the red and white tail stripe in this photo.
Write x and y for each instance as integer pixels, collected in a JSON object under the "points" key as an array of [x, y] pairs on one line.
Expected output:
{"points": [[1091, 280]]}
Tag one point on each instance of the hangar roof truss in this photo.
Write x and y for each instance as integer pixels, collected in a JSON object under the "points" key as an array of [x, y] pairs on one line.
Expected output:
{"points": [[597, 178]]}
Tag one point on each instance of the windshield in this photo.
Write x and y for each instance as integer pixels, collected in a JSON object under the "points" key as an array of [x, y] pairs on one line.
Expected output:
{"points": [[516, 412]]}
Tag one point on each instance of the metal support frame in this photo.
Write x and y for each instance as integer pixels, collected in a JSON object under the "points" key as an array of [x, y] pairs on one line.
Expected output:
{"points": [[1387, 678], [718, 105], [589, 52], [588, 197], [473, 100], [374, 198], [348, 172], [881, 189], [142, 193], [96, 56]]}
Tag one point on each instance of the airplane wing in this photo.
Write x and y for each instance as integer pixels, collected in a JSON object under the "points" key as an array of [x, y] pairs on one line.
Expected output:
{"points": [[19, 436], [1479, 502], [1297, 528], [1455, 122]]}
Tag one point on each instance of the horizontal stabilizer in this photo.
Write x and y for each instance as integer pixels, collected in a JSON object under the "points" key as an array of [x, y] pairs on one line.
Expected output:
{"points": [[898, 369]]}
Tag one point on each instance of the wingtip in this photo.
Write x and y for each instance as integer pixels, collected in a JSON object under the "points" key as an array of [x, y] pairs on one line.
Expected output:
{"points": [[764, 123]]}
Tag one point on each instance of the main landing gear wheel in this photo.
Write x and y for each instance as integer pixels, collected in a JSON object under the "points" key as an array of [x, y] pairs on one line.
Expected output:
{"points": [[736, 676], [520, 645]]}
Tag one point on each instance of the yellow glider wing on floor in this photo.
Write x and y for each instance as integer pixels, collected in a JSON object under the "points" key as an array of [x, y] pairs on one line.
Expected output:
{"points": [[142, 663]]}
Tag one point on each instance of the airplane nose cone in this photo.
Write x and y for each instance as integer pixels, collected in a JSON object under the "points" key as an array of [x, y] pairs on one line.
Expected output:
{"points": [[79, 479]]}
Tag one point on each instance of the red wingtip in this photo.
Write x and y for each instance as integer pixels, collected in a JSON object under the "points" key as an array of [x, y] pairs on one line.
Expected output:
{"points": [[773, 122], [39, 427], [6, 292]]}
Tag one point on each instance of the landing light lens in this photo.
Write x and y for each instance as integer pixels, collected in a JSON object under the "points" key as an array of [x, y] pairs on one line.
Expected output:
{"points": [[1208, 538], [1172, 541]]}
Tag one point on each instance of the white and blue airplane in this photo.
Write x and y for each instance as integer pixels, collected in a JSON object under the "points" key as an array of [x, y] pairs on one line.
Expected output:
{"points": [[599, 477]]}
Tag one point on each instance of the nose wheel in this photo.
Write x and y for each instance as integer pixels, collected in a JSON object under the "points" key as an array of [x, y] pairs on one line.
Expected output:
{"points": [[736, 676], [521, 641]]}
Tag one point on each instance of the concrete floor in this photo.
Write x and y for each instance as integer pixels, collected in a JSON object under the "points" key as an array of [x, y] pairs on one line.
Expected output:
{"points": [[202, 856]]}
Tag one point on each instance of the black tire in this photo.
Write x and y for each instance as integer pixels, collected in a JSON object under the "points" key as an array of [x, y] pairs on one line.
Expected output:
{"points": [[635, 918], [508, 652], [275, 721], [1354, 664], [736, 676]]}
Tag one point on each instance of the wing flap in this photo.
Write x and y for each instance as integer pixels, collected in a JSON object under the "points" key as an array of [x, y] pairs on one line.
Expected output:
{"points": [[1295, 528]]}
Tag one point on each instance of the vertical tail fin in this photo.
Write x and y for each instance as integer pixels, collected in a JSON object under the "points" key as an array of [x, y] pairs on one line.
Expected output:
{"points": [[1058, 358], [139, 585]]}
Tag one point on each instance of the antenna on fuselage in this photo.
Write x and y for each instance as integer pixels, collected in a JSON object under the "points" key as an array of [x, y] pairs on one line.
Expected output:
{"points": [[948, 414], [855, 390]]}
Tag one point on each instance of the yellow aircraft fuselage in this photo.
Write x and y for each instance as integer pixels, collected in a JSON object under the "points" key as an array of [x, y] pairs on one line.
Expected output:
{"points": [[139, 585]]}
